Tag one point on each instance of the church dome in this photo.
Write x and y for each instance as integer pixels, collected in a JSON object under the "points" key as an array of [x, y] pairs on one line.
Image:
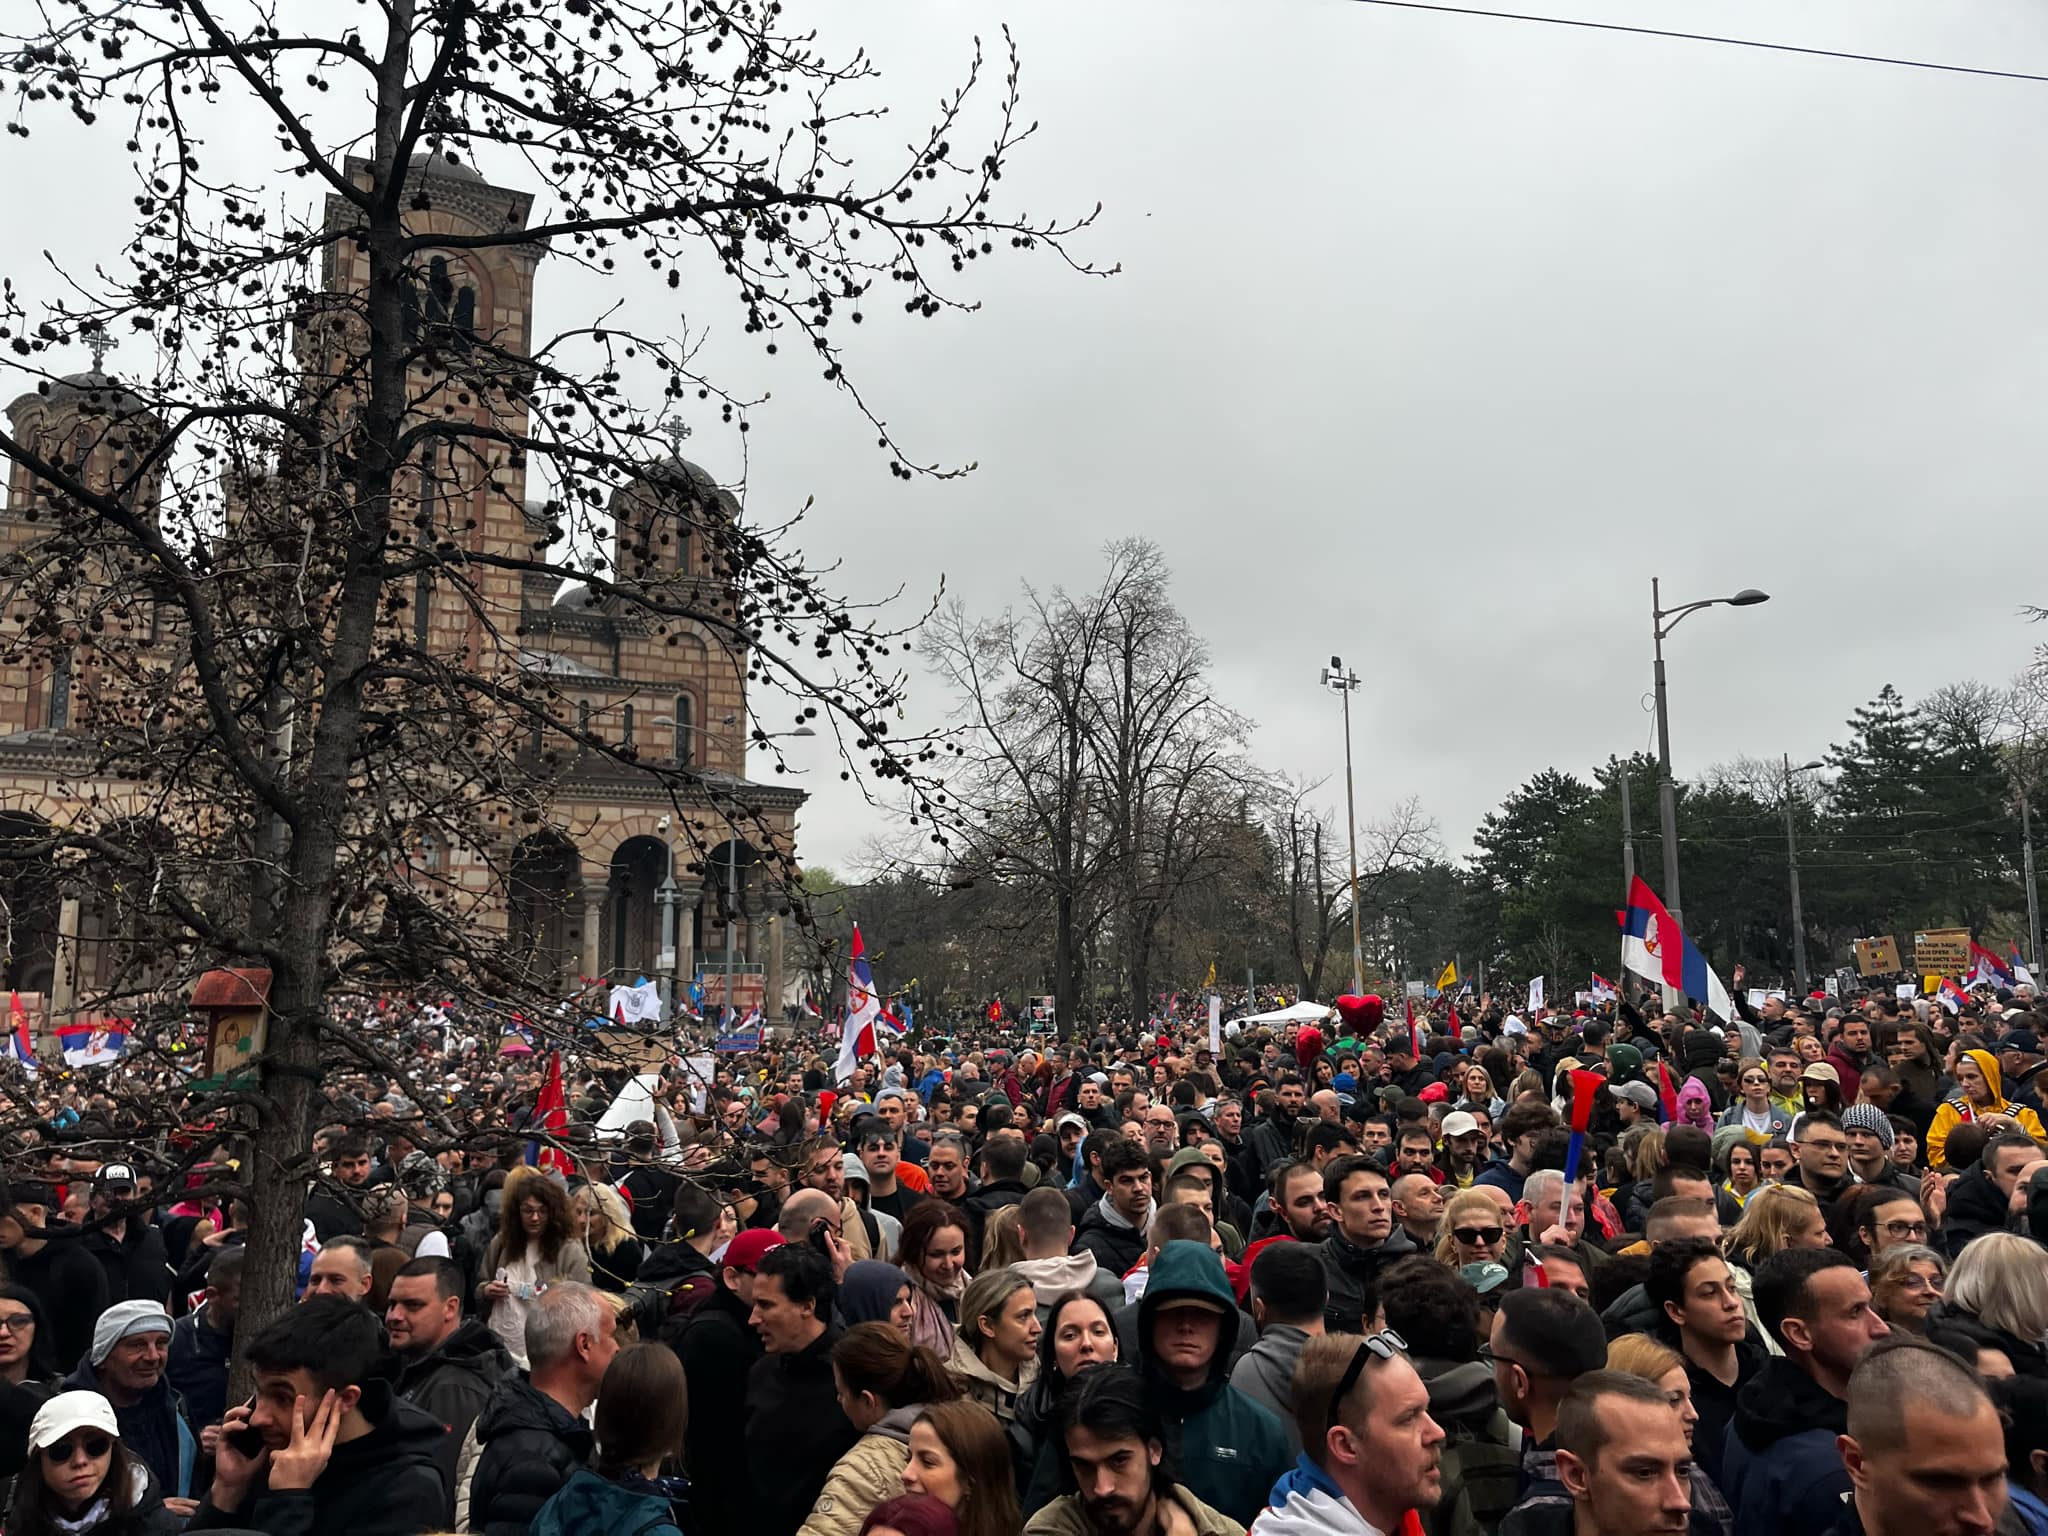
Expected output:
{"points": [[441, 164]]}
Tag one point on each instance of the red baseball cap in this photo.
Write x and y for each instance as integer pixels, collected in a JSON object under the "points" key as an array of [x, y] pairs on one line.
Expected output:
{"points": [[745, 1252]]}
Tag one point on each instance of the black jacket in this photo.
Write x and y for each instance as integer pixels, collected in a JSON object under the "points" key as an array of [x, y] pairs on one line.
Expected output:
{"points": [[795, 1431], [1975, 1207], [198, 1366], [1268, 1141], [452, 1382], [530, 1444], [331, 1215], [1116, 1248], [138, 1267], [984, 1203], [388, 1483], [1352, 1271], [72, 1287], [716, 1344], [1780, 1468]]}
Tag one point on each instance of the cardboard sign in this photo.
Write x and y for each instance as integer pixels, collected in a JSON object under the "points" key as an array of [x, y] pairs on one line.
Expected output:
{"points": [[1418, 990], [1905, 989], [1880, 956], [1942, 951], [1215, 1023]]}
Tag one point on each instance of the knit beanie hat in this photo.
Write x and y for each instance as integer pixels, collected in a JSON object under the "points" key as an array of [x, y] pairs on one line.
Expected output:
{"points": [[1868, 1117], [123, 1320]]}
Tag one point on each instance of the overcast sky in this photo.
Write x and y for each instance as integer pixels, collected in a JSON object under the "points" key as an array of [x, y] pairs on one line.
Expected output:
{"points": [[1437, 337]]}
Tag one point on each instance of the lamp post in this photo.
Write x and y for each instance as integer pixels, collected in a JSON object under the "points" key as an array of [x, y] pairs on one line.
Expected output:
{"points": [[1792, 863], [1667, 791], [1337, 678]]}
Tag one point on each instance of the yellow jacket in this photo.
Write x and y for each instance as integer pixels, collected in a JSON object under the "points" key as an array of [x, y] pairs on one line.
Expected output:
{"points": [[1960, 1111]]}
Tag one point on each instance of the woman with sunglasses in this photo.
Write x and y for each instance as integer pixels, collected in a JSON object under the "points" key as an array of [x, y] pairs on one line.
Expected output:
{"points": [[1472, 1231], [81, 1480], [1753, 1112]]}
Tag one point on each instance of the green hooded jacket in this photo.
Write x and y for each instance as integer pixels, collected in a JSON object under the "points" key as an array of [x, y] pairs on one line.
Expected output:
{"points": [[1232, 1450]]}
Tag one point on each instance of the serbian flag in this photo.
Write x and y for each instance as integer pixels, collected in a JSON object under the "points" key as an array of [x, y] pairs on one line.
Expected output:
{"points": [[1414, 1045], [2019, 971], [1989, 970], [1951, 996], [550, 1116], [1653, 947], [19, 1045], [93, 1044], [1604, 991], [865, 1029]]}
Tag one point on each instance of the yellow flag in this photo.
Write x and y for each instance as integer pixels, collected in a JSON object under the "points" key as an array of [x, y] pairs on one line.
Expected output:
{"points": [[1449, 977], [1930, 985], [1210, 979]]}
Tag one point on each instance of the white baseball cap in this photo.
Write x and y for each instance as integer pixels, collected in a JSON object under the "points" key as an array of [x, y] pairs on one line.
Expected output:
{"points": [[68, 1411]]}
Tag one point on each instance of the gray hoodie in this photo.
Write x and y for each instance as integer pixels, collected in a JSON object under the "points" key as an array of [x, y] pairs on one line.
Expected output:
{"points": [[1265, 1374], [1051, 1278]]}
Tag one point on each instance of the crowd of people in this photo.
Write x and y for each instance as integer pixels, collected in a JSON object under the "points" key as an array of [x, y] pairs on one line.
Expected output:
{"points": [[1617, 1270]]}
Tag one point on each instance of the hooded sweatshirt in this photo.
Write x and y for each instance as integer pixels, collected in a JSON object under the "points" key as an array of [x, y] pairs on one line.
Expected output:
{"points": [[1117, 1244], [1052, 1278], [1958, 1110], [384, 1483], [1265, 1374], [1232, 1449], [589, 1505], [1780, 1468]]}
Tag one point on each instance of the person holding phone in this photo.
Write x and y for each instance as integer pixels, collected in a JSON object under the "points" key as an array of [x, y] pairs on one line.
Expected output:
{"points": [[324, 1448], [81, 1480]]}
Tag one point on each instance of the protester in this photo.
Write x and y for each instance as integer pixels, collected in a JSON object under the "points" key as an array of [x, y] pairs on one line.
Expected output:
{"points": [[2022, 1403], [718, 1342], [1118, 1467], [1232, 1449], [1906, 1280], [1542, 1341], [532, 1432], [1997, 1292], [449, 1365], [1046, 1225], [1979, 1100], [535, 1249], [45, 1255], [1781, 1472], [1622, 1464], [130, 1347], [958, 1456], [795, 1427], [81, 1480], [884, 1383], [1370, 1449], [643, 1405], [1362, 1238], [1077, 1334], [341, 1455], [1288, 1297], [1924, 1449], [932, 1253]]}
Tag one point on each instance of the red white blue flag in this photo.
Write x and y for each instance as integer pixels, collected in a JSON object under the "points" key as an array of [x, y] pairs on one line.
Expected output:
{"points": [[1654, 948]]}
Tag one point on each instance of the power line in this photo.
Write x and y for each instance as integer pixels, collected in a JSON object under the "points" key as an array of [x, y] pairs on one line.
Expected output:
{"points": [[1706, 37]]}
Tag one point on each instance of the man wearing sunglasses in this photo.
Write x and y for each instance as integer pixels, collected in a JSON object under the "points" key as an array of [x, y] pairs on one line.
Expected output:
{"points": [[1371, 1453]]}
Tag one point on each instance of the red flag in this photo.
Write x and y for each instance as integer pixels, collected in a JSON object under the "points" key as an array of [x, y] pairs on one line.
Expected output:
{"points": [[550, 1116], [1586, 1087], [1456, 1028], [1667, 1093], [1414, 1046]]}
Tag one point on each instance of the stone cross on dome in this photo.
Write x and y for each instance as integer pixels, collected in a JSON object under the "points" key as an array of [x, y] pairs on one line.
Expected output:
{"points": [[99, 344], [676, 430]]}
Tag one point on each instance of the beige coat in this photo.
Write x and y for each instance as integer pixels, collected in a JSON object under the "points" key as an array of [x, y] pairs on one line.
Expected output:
{"points": [[1063, 1517], [866, 1475], [977, 1381]]}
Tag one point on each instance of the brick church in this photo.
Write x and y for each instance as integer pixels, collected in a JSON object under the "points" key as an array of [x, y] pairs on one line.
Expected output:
{"points": [[583, 896]]}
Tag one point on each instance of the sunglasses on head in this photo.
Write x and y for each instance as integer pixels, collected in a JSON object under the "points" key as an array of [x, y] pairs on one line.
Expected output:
{"points": [[1386, 1344], [95, 1446], [1472, 1236]]}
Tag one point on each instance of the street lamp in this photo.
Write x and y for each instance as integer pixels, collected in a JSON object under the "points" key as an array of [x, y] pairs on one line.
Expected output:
{"points": [[732, 857], [1792, 862], [1667, 791], [1337, 678]]}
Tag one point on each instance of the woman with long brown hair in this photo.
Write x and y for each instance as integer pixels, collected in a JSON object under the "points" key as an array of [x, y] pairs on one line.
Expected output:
{"points": [[643, 1410], [959, 1456], [933, 1253], [535, 1247]]}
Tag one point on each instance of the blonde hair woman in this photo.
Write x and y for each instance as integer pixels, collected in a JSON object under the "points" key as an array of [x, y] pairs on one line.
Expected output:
{"points": [[1777, 1217], [1999, 1285], [607, 1231], [1476, 1214], [1640, 1355]]}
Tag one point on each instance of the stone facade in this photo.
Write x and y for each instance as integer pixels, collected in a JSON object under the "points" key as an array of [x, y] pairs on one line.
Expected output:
{"points": [[580, 895]]}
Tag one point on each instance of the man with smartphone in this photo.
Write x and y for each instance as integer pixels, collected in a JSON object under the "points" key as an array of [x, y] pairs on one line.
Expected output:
{"points": [[325, 1448]]}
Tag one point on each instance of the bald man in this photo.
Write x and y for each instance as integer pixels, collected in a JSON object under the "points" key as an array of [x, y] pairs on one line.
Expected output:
{"points": [[1418, 1207]]}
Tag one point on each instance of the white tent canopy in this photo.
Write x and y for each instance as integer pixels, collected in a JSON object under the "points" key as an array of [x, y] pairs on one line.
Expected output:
{"points": [[1293, 1013]]}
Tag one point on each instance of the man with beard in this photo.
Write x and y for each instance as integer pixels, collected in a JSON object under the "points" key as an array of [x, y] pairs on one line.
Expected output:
{"points": [[1124, 1474], [1296, 1207], [1272, 1139], [1240, 1167], [1371, 1453], [1363, 1239]]}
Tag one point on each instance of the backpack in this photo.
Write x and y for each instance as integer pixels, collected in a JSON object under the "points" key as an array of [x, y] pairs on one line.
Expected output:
{"points": [[1481, 1478]]}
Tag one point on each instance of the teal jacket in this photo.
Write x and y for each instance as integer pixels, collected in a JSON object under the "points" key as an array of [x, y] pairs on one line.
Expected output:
{"points": [[589, 1505], [1232, 1449]]}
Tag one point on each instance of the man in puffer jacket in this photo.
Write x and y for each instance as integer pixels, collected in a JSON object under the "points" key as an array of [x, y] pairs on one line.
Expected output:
{"points": [[1232, 1450], [531, 1430]]}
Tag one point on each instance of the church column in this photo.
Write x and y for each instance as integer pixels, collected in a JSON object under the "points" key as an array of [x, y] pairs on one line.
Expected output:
{"points": [[771, 980], [685, 972], [64, 975], [593, 927]]}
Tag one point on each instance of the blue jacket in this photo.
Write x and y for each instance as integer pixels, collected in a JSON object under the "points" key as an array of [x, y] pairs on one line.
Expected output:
{"points": [[589, 1505], [2033, 1514], [1780, 1468]]}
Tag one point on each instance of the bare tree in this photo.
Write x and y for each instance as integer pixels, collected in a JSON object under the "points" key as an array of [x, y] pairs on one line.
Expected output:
{"points": [[278, 579]]}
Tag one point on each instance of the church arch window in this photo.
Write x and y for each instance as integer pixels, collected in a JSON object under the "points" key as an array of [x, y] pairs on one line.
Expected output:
{"points": [[686, 725]]}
